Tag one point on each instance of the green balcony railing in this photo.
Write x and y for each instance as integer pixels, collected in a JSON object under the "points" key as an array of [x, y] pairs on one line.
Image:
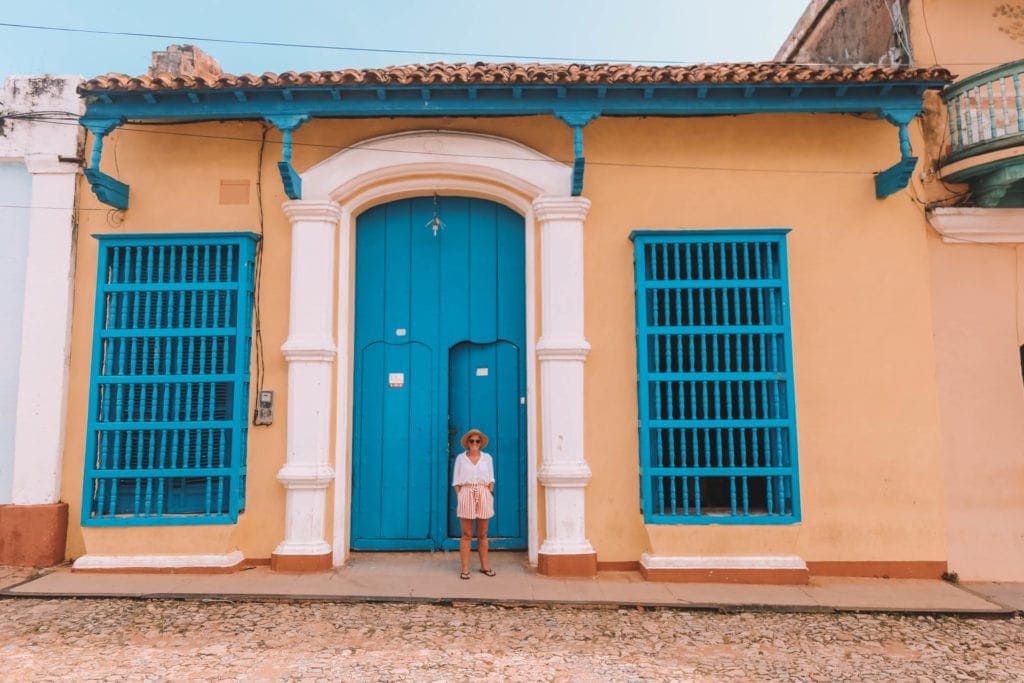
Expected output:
{"points": [[985, 111]]}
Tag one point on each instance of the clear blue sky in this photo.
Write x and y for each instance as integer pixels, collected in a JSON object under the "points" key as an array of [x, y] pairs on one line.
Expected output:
{"points": [[660, 31]]}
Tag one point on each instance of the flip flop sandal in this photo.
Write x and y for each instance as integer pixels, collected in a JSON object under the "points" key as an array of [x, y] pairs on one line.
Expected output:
{"points": [[464, 576], [487, 572]]}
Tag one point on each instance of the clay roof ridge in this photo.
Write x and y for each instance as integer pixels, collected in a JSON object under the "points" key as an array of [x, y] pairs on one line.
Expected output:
{"points": [[515, 73]]}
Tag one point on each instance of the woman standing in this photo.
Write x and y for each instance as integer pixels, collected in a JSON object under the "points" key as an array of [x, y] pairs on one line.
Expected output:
{"points": [[474, 488]]}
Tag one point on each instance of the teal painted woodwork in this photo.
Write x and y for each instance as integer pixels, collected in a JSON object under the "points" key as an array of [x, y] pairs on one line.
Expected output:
{"points": [[567, 100], [576, 104], [897, 176], [715, 379], [169, 391], [289, 177], [426, 309], [107, 189]]}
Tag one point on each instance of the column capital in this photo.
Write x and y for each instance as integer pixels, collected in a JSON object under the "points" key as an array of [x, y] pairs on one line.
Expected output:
{"points": [[564, 475], [312, 210], [306, 476], [309, 348], [551, 207], [571, 348]]}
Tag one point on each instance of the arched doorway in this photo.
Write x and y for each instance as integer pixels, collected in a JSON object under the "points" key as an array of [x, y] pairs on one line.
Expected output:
{"points": [[418, 164], [439, 347]]}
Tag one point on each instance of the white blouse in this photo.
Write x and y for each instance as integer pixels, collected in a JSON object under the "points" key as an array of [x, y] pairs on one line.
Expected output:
{"points": [[468, 473]]}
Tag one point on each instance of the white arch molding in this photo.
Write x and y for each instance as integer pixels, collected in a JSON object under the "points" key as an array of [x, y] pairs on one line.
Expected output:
{"points": [[393, 167]]}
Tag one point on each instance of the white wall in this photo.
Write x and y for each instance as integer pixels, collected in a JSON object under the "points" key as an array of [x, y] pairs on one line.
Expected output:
{"points": [[39, 152], [15, 196]]}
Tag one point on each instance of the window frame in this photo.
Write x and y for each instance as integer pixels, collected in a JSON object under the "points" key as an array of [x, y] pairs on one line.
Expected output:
{"points": [[784, 426], [227, 389]]}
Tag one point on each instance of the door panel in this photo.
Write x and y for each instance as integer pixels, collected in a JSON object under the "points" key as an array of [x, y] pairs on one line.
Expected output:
{"points": [[422, 300], [485, 390], [392, 450]]}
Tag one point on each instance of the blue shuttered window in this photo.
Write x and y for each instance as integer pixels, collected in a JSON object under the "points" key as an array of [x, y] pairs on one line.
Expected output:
{"points": [[170, 379], [717, 427]]}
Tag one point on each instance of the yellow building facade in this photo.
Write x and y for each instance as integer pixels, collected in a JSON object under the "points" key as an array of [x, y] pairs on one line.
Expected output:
{"points": [[859, 481]]}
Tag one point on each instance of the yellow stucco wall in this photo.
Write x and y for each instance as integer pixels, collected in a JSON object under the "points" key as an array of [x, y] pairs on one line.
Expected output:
{"points": [[966, 36], [867, 415], [977, 314], [982, 400]]}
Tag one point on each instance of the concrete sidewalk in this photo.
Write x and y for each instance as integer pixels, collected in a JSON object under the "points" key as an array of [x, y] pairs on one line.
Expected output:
{"points": [[434, 577]]}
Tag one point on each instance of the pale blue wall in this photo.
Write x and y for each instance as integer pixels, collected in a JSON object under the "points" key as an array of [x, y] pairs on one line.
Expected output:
{"points": [[15, 195]]}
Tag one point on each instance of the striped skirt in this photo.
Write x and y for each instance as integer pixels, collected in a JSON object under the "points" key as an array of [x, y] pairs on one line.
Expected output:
{"points": [[475, 502]]}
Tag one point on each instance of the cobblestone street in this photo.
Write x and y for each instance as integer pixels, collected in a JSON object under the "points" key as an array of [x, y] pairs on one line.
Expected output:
{"points": [[116, 639]]}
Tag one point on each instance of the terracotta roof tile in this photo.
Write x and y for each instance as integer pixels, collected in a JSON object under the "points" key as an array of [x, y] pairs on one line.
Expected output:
{"points": [[530, 74]]}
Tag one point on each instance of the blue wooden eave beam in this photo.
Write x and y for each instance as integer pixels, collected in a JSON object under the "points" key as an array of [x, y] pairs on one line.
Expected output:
{"points": [[576, 105], [503, 100]]}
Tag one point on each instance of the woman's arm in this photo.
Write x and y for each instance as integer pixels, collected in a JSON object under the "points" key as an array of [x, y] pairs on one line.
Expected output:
{"points": [[457, 474]]}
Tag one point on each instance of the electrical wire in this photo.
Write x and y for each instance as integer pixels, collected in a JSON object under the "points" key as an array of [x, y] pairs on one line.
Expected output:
{"points": [[931, 41], [143, 128], [339, 48], [258, 274], [396, 51], [71, 118]]}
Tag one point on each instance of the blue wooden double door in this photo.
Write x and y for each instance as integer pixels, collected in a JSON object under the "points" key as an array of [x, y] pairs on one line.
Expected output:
{"points": [[440, 332]]}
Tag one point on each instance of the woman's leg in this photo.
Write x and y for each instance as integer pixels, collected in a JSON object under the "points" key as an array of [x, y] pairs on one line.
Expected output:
{"points": [[481, 542], [465, 542]]}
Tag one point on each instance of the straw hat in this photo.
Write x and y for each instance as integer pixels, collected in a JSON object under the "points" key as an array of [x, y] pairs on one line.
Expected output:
{"points": [[471, 432]]}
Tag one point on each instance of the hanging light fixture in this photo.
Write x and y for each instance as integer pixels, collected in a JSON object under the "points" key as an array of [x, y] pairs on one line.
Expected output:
{"points": [[435, 223]]}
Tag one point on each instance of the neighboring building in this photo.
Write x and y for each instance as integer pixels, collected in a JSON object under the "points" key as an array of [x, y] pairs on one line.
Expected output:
{"points": [[971, 182], [40, 149]]}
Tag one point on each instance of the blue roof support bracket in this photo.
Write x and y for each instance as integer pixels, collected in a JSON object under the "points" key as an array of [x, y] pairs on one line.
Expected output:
{"points": [[107, 189], [897, 177], [576, 120], [289, 178]]}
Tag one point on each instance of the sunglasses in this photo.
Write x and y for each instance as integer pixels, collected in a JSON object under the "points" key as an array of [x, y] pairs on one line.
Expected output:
{"points": [[475, 441]]}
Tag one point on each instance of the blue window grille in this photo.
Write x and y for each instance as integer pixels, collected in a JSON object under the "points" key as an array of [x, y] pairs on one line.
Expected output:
{"points": [[168, 401], [715, 378]]}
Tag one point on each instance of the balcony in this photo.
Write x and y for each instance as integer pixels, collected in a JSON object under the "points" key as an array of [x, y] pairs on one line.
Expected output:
{"points": [[986, 131]]}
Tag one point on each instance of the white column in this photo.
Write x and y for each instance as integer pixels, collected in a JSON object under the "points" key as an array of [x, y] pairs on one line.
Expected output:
{"points": [[46, 333], [561, 351], [310, 353]]}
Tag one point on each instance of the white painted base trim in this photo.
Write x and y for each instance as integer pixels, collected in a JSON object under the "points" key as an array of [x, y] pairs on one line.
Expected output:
{"points": [[158, 561], [972, 225], [722, 562], [302, 548]]}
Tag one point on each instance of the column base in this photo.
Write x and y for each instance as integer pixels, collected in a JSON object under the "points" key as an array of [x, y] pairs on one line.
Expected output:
{"points": [[33, 535], [581, 565], [301, 564]]}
